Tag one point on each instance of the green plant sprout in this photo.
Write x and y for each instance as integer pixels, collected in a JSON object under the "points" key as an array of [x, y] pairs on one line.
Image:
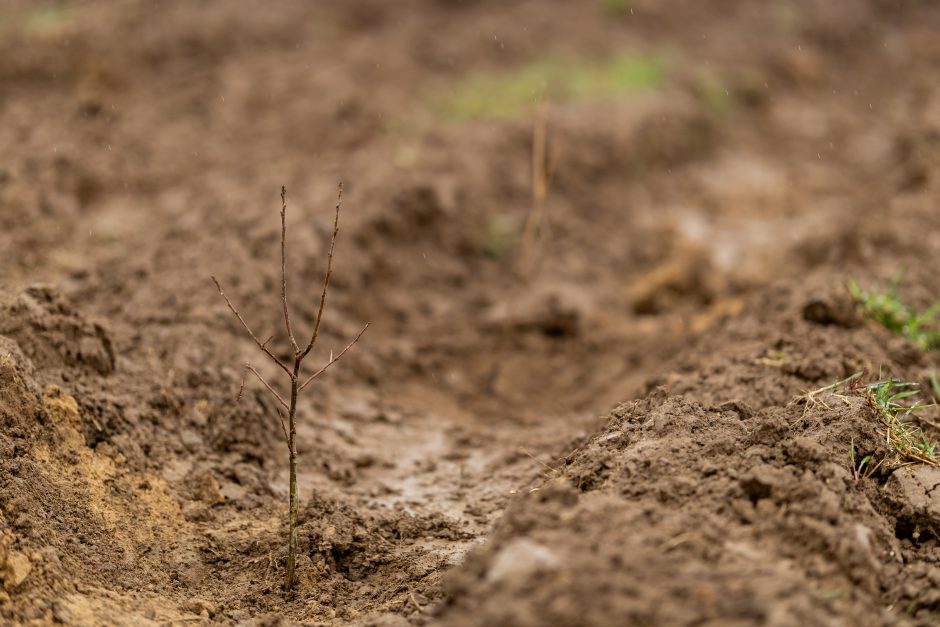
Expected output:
{"points": [[935, 385], [858, 467], [885, 307]]}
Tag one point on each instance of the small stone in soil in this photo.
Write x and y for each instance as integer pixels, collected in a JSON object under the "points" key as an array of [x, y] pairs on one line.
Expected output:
{"points": [[16, 570]]}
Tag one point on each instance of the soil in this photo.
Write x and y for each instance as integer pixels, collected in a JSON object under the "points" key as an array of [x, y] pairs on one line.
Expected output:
{"points": [[462, 464]]}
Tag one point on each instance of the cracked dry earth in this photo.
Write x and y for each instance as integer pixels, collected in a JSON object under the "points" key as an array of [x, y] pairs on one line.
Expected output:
{"points": [[604, 437]]}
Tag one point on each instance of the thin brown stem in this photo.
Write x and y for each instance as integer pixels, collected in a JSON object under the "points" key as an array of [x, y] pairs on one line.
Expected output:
{"points": [[290, 331], [261, 345], [279, 398], [334, 359], [327, 274], [539, 188], [292, 460]]}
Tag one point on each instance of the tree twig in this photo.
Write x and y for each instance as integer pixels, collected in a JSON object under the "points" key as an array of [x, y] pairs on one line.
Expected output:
{"points": [[333, 359], [283, 426], [241, 390], [327, 274], [262, 345], [280, 399], [290, 331]]}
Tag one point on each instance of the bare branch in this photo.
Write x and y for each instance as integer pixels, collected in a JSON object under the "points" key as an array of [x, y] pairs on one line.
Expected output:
{"points": [[283, 427], [290, 331], [333, 360], [280, 399], [262, 345], [241, 389], [326, 276]]}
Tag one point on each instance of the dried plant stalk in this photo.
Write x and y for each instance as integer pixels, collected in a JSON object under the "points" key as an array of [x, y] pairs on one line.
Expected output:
{"points": [[542, 167]]}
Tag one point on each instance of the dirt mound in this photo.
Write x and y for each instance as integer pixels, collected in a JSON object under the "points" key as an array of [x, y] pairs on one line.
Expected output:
{"points": [[717, 500], [65, 506], [95, 493], [51, 333]]}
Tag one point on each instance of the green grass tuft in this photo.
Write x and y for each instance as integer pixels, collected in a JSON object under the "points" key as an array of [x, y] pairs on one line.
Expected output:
{"points": [[509, 95], [885, 307], [905, 439], [904, 442]]}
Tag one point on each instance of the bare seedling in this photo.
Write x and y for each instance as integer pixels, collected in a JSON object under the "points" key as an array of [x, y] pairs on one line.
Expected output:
{"points": [[292, 368]]}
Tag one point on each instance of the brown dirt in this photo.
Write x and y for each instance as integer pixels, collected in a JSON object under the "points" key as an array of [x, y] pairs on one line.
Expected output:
{"points": [[458, 467]]}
